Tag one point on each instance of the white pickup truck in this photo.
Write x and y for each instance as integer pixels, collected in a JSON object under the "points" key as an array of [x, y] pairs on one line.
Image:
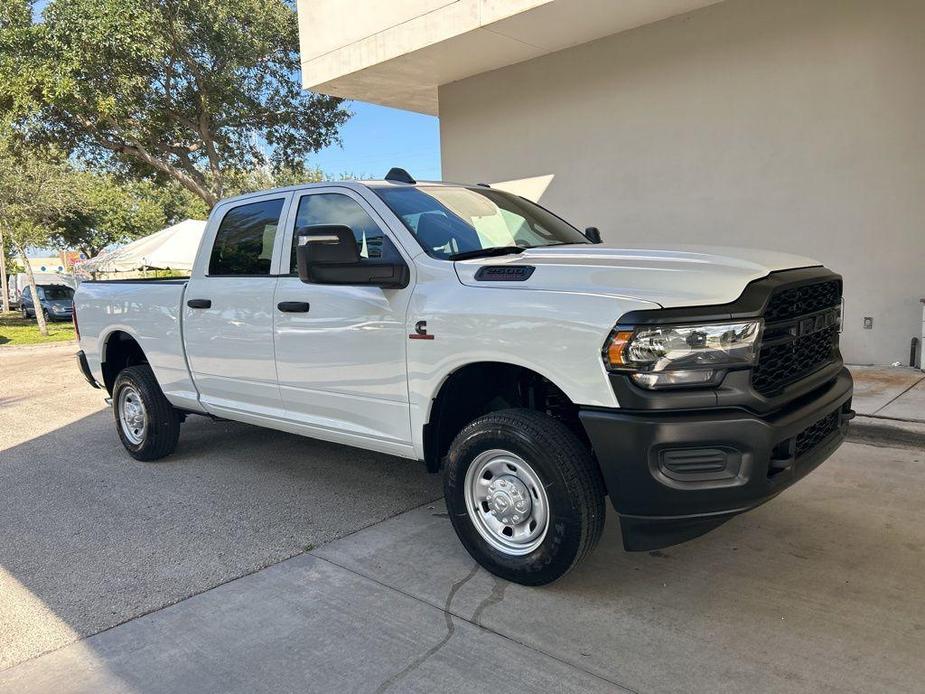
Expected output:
{"points": [[477, 332]]}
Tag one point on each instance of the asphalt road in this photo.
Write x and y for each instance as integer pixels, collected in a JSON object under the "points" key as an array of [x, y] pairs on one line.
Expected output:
{"points": [[90, 538]]}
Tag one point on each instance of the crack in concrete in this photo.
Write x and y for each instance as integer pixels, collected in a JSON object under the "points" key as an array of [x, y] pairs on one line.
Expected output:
{"points": [[493, 598], [450, 630], [880, 409]]}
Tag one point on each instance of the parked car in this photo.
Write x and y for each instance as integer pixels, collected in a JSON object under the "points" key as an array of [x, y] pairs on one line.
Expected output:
{"points": [[481, 334], [57, 301]]}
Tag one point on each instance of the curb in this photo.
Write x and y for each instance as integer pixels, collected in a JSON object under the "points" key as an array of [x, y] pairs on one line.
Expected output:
{"points": [[887, 432]]}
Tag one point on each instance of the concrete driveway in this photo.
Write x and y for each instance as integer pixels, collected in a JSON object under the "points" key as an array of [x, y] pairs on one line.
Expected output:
{"points": [[90, 538], [821, 589]]}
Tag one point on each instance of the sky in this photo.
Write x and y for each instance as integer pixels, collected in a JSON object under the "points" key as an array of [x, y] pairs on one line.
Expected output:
{"points": [[377, 138]]}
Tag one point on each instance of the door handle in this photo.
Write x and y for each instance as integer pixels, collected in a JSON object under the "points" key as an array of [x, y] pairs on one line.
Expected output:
{"points": [[293, 306], [199, 303]]}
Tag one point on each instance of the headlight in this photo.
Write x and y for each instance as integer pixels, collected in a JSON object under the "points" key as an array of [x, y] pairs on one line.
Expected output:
{"points": [[682, 355]]}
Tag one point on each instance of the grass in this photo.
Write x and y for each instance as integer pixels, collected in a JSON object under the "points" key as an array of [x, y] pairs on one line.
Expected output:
{"points": [[16, 330]]}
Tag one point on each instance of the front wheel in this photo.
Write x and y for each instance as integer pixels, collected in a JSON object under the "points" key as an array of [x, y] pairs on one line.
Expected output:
{"points": [[524, 495], [25, 312], [148, 425]]}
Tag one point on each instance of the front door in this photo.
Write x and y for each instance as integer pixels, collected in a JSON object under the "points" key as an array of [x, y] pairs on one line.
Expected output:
{"points": [[340, 350], [228, 311]]}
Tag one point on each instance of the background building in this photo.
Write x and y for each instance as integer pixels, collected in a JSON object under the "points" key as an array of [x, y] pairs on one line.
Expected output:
{"points": [[793, 125]]}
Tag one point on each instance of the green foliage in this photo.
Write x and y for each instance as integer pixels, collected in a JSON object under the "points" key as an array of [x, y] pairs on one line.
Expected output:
{"points": [[15, 330], [37, 190], [13, 266], [188, 89], [240, 182], [109, 211]]}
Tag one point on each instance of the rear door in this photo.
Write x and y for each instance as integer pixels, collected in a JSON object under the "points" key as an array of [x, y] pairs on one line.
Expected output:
{"points": [[228, 310], [340, 350]]}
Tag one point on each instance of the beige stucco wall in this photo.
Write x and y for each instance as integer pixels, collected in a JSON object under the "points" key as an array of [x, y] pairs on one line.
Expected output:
{"points": [[796, 125]]}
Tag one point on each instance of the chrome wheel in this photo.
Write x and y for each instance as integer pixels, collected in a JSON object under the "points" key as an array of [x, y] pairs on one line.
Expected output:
{"points": [[132, 416], [507, 502]]}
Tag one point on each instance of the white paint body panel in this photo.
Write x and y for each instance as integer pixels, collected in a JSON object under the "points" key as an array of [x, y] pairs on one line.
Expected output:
{"points": [[230, 345], [150, 313], [670, 277], [347, 372], [341, 366]]}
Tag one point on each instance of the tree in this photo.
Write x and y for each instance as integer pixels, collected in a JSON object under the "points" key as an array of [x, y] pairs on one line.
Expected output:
{"points": [[109, 211], [36, 192], [7, 267], [188, 89], [240, 182]]}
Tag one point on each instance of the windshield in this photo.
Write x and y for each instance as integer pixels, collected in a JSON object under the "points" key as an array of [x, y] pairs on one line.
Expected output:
{"points": [[56, 292], [453, 220]]}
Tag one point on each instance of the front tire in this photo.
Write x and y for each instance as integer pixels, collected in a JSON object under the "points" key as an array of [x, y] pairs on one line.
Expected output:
{"points": [[148, 425], [524, 495]]}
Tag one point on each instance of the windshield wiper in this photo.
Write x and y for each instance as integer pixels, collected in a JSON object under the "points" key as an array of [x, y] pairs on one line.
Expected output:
{"points": [[487, 252]]}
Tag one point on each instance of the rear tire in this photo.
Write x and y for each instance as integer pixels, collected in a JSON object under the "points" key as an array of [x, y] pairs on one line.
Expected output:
{"points": [[148, 425], [524, 495]]}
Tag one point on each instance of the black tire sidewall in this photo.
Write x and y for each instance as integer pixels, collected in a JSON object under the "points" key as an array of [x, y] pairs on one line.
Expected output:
{"points": [[149, 448], [558, 551]]}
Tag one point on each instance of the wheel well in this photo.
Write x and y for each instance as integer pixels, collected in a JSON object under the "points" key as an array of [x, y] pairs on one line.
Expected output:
{"points": [[480, 388], [121, 350]]}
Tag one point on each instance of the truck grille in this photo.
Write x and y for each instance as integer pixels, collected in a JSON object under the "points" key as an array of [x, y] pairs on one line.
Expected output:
{"points": [[799, 301], [800, 335], [813, 435]]}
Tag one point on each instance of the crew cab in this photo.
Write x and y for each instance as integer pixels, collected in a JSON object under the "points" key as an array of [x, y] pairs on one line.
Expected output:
{"points": [[473, 330]]}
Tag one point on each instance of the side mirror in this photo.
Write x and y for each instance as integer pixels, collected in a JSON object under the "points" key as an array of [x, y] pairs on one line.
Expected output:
{"points": [[328, 254], [593, 234]]}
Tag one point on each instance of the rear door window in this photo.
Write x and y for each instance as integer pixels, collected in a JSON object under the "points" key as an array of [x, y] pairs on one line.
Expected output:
{"points": [[244, 242]]}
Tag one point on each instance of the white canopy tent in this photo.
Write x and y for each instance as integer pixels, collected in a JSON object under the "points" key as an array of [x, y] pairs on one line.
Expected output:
{"points": [[173, 248]]}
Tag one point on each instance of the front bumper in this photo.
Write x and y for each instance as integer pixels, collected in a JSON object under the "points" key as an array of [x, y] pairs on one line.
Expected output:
{"points": [[674, 475]]}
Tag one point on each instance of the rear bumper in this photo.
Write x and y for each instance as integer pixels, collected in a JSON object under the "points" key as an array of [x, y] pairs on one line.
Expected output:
{"points": [[84, 367], [674, 475]]}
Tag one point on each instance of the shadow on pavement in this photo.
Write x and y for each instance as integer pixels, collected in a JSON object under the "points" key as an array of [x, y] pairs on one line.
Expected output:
{"points": [[91, 538]]}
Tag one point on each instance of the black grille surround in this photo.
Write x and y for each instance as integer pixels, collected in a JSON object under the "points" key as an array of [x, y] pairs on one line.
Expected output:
{"points": [[800, 335]]}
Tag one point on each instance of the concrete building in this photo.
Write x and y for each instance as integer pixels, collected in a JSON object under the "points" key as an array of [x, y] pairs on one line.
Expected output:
{"points": [[793, 124]]}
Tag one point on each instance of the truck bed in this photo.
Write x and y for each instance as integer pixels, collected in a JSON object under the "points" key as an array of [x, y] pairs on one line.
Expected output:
{"points": [[149, 310]]}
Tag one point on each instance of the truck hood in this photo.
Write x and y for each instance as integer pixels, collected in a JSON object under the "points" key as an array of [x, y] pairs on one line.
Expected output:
{"points": [[670, 277]]}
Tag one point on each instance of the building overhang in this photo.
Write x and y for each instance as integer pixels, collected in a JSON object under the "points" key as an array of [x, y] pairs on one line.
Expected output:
{"points": [[398, 53]]}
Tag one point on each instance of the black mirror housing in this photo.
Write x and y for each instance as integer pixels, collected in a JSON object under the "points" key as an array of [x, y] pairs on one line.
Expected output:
{"points": [[593, 234], [328, 254]]}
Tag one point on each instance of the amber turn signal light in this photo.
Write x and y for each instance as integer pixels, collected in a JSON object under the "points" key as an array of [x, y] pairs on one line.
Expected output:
{"points": [[615, 347]]}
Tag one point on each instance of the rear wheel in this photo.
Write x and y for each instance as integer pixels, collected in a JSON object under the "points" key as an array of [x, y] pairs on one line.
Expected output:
{"points": [[524, 495], [148, 425]]}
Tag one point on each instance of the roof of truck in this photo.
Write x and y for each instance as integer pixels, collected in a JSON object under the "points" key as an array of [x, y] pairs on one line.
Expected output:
{"points": [[380, 183]]}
